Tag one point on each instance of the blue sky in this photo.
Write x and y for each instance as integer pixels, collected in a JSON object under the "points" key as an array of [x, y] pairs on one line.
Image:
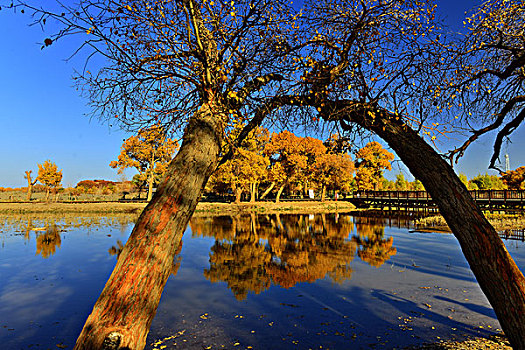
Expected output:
{"points": [[43, 117]]}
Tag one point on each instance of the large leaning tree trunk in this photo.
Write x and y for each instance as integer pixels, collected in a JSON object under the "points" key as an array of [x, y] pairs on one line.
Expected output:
{"points": [[123, 313], [496, 272]]}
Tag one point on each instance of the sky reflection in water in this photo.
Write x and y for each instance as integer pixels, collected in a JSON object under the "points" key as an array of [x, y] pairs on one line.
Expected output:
{"points": [[272, 281]]}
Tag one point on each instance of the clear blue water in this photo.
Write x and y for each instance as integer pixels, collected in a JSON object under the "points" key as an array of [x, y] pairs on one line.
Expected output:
{"points": [[265, 282]]}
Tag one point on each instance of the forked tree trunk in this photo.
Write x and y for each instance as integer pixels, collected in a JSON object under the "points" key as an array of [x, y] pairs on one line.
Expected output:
{"points": [[272, 185], [122, 315], [496, 272], [30, 184]]}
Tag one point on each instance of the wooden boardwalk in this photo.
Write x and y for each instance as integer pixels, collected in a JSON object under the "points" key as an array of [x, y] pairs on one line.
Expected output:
{"points": [[491, 200]]}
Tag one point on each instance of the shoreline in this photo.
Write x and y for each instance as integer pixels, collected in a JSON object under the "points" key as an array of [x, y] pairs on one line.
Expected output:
{"points": [[203, 208]]}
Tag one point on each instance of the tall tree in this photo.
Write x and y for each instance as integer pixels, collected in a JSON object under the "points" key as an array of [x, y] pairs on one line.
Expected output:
{"points": [[291, 158], [247, 166], [383, 77], [150, 152], [189, 64], [372, 160], [333, 172], [49, 176], [30, 184]]}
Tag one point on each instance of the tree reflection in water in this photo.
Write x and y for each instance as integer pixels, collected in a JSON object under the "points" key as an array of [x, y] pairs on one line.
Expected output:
{"points": [[373, 247], [47, 243], [252, 252], [47, 227]]}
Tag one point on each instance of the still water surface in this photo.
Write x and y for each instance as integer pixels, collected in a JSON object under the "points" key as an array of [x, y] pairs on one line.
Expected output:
{"points": [[263, 282]]}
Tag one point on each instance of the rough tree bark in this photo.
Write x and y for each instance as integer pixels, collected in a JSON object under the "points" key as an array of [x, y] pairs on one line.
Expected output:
{"points": [[30, 184], [496, 272], [122, 315]]}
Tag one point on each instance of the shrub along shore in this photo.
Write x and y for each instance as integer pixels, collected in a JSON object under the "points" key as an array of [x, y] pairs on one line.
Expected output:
{"points": [[500, 222]]}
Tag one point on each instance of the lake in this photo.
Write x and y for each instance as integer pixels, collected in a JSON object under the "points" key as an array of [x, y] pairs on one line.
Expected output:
{"points": [[330, 281]]}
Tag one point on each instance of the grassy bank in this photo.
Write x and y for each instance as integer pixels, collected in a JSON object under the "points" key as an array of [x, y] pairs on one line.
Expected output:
{"points": [[499, 221], [80, 208], [202, 208]]}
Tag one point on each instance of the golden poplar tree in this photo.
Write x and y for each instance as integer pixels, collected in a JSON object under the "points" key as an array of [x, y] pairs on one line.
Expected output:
{"points": [[514, 179], [373, 159], [49, 176], [150, 152], [247, 166]]}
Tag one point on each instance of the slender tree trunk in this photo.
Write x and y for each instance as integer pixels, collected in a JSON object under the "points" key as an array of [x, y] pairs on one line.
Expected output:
{"points": [[305, 192], [47, 193], [323, 193], [253, 192], [496, 272], [272, 185], [122, 315], [151, 177], [278, 197]]}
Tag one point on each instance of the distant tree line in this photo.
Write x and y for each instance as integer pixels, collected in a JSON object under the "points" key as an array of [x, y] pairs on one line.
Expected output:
{"points": [[264, 165]]}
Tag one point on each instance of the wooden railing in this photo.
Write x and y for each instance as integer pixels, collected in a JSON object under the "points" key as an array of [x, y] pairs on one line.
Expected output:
{"points": [[518, 195], [493, 200]]}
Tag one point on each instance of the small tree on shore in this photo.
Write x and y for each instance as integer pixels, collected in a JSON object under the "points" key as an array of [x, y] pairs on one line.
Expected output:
{"points": [[49, 176]]}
